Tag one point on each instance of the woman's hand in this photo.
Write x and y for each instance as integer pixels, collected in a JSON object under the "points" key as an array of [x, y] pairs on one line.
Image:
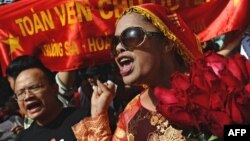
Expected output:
{"points": [[102, 96]]}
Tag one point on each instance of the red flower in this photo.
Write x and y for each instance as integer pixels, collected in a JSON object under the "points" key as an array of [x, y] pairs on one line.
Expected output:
{"points": [[239, 67], [215, 93]]}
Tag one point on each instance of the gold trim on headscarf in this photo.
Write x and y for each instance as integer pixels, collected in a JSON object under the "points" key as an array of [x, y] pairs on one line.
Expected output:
{"points": [[180, 46]]}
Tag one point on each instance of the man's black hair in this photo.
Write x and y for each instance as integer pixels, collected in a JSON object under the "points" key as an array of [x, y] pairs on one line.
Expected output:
{"points": [[25, 62]]}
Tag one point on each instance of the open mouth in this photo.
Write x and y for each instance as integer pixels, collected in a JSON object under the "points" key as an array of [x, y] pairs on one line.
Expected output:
{"points": [[126, 65], [33, 106]]}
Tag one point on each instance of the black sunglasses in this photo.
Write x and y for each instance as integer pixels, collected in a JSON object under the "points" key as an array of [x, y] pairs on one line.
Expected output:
{"points": [[131, 38]]}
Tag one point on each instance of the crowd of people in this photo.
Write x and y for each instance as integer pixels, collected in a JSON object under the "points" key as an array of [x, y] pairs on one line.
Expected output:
{"points": [[140, 96]]}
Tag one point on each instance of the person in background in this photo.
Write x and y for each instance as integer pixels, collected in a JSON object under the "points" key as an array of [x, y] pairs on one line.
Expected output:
{"points": [[13, 121], [36, 92], [245, 44], [231, 43], [65, 81]]}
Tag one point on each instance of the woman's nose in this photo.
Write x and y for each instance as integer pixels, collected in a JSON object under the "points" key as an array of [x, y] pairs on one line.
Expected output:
{"points": [[120, 48]]}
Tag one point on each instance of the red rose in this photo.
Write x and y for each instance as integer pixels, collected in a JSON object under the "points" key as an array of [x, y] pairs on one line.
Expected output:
{"points": [[215, 93], [239, 66], [243, 103], [215, 122], [215, 61], [173, 104], [181, 81]]}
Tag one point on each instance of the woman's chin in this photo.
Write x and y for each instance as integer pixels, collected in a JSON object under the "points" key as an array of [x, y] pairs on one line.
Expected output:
{"points": [[130, 80]]}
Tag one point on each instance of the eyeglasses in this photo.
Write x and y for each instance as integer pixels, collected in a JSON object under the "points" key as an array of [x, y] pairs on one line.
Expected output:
{"points": [[20, 94], [131, 38]]}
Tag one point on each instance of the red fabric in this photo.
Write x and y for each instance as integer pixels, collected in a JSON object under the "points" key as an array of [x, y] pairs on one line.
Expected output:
{"points": [[125, 117], [2, 113], [63, 34], [72, 40], [77, 99], [217, 17], [189, 45]]}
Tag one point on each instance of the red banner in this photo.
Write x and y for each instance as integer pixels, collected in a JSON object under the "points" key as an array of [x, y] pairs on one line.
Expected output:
{"points": [[72, 34], [217, 17], [65, 34]]}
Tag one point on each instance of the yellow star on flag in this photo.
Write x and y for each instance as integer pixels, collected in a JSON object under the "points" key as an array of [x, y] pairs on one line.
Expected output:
{"points": [[13, 42], [236, 2]]}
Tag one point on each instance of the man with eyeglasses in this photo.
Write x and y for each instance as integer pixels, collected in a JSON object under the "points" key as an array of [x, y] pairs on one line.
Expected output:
{"points": [[64, 79], [36, 92]]}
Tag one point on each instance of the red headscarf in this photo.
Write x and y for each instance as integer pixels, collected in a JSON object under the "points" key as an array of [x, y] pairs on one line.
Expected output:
{"points": [[173, 27]]}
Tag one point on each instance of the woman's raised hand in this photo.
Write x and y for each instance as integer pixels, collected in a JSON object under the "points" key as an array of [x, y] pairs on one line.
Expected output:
{"points": [[102, 96]]}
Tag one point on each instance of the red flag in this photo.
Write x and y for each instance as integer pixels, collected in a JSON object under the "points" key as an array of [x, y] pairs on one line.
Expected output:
{"points": [[217, 17], [65, 34], [72, 34]]}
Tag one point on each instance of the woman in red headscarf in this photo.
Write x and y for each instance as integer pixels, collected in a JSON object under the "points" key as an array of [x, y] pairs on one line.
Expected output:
{"points": [[153, 47]]}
